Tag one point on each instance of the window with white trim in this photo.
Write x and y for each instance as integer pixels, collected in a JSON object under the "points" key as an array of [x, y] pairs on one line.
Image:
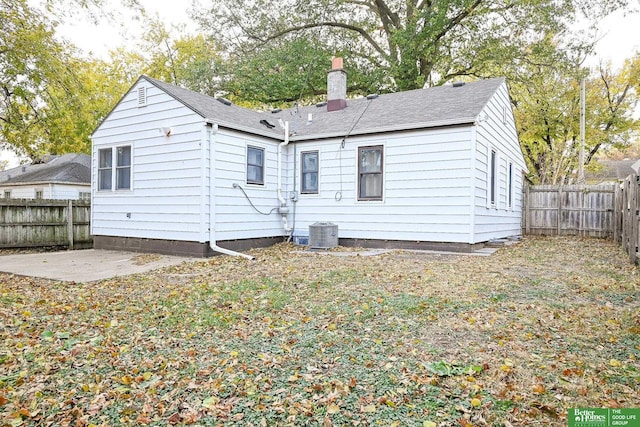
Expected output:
{"points": [[105, 172], [84, 195], [114, 168], [370, 168], [123, 168], [7, 194], [39, 194], [493, 178], [255, 165], [510, 186], [310, 167]]}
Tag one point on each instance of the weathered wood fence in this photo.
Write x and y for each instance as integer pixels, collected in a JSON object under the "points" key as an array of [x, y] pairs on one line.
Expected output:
{"points": [[582, 210], [34, 223], [628, 205], [606, 211]]}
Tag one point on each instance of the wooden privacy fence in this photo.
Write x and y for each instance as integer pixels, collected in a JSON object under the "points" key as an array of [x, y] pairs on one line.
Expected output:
{"points": [[629, 207], [609, 211], [582, 210], [33, 223]]}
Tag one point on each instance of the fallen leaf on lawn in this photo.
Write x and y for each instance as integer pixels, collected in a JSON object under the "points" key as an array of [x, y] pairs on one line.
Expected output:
{"points": [[333, 409], [368, 409], [615, 363], [539, 388], [475, 402], [210, 402], [429, 424]]}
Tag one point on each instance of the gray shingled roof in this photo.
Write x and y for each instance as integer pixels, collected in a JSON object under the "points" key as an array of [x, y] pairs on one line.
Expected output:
{"points": [[212, 108], [67, 168], [415, 109]]}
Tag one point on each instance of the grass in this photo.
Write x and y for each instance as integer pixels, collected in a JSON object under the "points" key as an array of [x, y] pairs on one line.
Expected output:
{"points": [[295, 338]]}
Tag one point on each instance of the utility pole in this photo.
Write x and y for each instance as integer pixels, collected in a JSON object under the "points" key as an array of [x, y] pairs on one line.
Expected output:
{"points": [[582, 131]]}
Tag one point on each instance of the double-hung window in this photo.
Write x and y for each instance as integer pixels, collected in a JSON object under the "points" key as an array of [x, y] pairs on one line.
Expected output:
{"points": [[370, 167], [310, 168], [493, 178], [114, 168], [510, 187], [255, 165], [123, 168]]}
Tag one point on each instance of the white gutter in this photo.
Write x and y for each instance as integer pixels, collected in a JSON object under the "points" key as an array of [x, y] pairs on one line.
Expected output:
{"points": [[283, 210], [212, 232]]}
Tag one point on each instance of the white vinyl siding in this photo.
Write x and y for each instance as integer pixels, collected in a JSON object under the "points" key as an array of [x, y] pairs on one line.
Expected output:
{"points": [[47, 191], [165, 198], [498, 133], [235, 218], [426, 187]]}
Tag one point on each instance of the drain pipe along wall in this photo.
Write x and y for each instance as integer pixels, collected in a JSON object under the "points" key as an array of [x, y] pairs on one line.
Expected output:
{"points": [[212, 130], [283, 210]]}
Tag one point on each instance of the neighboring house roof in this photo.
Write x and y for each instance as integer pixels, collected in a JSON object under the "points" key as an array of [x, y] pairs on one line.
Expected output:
{"points": [[414, 109], [67, 169], [612, 170]]}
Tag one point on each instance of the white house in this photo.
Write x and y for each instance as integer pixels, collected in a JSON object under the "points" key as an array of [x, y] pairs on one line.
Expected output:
{"points": [[64, 177], [180, 172]]}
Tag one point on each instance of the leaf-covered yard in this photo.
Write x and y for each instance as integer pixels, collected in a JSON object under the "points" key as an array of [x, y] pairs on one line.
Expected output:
{"points": [[294, 338]]}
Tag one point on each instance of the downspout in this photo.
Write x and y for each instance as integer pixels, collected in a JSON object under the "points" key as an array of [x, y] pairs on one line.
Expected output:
{"points": [[212, 131], [472, 186], [283, 210]]}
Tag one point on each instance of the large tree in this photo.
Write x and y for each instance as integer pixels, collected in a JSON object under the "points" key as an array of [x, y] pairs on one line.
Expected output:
{"points": [[547, 107], [51, 98], [33, 73], [416, 42]]}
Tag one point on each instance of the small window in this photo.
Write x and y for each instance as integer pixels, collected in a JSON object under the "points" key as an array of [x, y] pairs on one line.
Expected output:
{"points": [[142, 96], [492, 178], [7, 194], [114, 171], [39, 194], [105, 162], [309, 169], [370, 173], [510, 189], [84, 195], [255, 165], [123, 168]]}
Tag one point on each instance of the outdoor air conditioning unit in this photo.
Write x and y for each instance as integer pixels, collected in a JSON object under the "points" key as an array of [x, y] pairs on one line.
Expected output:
{"points": [[323, 235]]}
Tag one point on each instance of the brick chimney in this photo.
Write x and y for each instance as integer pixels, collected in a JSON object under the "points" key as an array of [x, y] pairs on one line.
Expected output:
{"points": [[336, 86]]}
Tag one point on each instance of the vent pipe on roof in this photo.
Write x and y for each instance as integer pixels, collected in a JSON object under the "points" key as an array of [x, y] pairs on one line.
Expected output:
{"points": [[336, 86]]}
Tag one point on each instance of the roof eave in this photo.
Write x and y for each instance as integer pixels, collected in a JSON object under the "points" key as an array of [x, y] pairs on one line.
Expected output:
{"points": [[388, 129], [245, 129], [24, 183]]}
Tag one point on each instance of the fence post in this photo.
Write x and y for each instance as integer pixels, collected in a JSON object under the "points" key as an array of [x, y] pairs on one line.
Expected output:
{"points": [[616, 214], [70, 223], [559, 226], [527, 211]]}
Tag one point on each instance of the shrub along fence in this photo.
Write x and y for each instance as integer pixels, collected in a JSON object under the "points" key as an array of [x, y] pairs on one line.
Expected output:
{"points": [[40, 223], [606, 211]]}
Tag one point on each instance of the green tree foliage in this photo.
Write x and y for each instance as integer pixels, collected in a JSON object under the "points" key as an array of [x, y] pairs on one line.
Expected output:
{"points": [[33, 71], [51, 99], [547, 111], [189, 61], [415, 42]]}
